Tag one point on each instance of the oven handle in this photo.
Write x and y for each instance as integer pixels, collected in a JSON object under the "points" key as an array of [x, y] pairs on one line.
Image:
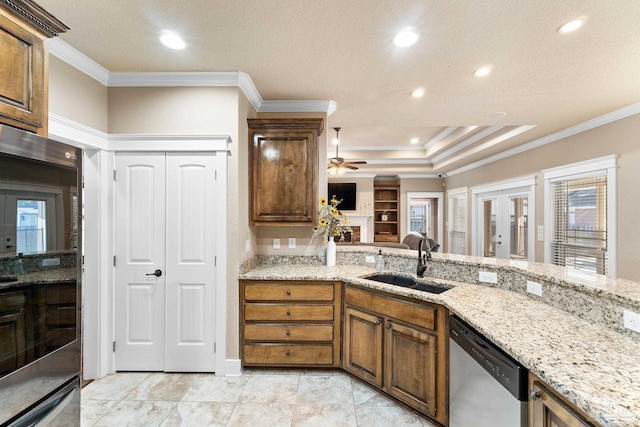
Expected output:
{"points": [[43, 415]]}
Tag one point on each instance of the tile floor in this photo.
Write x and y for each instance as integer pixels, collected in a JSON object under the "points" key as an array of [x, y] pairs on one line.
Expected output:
{"points": [[255, 399]]}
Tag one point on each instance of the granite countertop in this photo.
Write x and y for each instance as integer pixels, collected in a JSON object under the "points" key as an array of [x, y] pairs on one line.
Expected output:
{"points": [[56, 275], [596, 369]]}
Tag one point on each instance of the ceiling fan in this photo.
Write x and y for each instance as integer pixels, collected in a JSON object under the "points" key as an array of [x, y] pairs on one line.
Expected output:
{"points": [[337, 165]]}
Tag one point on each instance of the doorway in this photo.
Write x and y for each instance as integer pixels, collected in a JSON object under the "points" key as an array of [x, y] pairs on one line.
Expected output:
{"points": [[503, 223], [165, 263]]}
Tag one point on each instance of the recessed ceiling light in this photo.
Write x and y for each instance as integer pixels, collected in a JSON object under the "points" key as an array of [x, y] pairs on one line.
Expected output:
{"points": [[496, 115], [405, 38], [414, 141], [172, 40], [571, 26], [418, 93], [481, 72]]}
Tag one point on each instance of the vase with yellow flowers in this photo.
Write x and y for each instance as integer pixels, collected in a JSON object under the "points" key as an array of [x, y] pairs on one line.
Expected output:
{"points": [[331, 224]]}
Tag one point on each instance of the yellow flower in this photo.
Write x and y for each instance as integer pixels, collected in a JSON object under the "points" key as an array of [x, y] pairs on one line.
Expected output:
{"points": [[334, 212], [323, 222], [346, 219], [323, 201], [334, 202]]}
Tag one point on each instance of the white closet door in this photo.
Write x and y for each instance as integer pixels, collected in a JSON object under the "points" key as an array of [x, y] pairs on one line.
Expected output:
{"points": [[140, 251], [191, 263]]}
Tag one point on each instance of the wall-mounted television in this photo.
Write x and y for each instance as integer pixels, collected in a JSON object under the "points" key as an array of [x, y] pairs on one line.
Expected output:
{"points": [[345, 191]]}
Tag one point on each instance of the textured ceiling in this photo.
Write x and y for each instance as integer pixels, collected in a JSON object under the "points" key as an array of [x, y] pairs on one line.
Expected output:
{"points": [[342, 51]]}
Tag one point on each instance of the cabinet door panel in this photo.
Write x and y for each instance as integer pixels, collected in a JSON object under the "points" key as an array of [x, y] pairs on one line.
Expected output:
{"points": [[548, 411], [22, 76], [363, 345], [410, 366]]}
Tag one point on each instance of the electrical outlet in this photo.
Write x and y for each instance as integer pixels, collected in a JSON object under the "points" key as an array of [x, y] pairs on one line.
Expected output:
{"points": [[488, 277], [292, 242], [48, 262], [632, 320], [370, 259], [276, 243], [247, 245], [534, 288]]}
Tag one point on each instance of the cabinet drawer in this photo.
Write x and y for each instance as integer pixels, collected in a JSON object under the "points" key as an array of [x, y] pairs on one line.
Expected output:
{"points": [[288, 332], [288, 292], [58, 316], [285, 354], [288, 312], [420, 315]]}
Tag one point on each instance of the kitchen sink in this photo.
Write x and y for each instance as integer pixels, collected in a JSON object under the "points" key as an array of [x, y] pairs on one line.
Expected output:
{"points": [[408, 282], [6, 279]]}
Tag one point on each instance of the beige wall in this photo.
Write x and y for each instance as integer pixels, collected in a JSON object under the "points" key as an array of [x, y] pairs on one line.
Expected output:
{"points": [[76, 96], [621, 138]]}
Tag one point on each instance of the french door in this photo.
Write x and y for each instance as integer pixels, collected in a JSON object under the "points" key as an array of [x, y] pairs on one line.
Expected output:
{"points": [[503, 230], [165, 262]]}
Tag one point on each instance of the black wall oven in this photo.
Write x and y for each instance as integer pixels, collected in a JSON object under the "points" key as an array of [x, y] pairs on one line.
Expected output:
{"points": [[40, 242]]}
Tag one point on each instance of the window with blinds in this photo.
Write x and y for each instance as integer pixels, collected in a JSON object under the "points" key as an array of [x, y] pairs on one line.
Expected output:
{"points": [[458, 223], [580, 238]]}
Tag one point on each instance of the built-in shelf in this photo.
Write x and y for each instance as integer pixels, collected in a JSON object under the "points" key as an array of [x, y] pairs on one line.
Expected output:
{"points": [[386, 201]]}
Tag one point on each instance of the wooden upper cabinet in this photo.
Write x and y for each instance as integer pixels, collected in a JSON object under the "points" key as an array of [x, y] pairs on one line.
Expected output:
{"points": [[24, 26], [283, 163]]}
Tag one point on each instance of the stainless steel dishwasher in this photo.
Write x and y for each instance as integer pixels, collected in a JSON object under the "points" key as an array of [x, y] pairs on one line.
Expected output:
{"points": [[487, 387]]}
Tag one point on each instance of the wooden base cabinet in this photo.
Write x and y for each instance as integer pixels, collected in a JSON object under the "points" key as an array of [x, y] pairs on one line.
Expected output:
{"points": [[548, 409], [290, 323], [398, 346]]}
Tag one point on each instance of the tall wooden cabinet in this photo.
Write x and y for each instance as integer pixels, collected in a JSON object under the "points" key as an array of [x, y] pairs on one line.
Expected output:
{"points": [[398, 346], [386, 221], [283, 177], [24, 27]]}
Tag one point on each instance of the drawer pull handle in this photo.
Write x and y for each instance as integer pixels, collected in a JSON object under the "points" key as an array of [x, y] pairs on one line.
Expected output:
{"points": [[287, 352], [288, 291], [288, 312], [288, 332], [378, 322], [388, 325]]}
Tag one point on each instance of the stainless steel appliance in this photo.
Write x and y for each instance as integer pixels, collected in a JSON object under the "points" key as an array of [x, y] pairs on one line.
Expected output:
{"points": [[39, 280], [487, 387]]}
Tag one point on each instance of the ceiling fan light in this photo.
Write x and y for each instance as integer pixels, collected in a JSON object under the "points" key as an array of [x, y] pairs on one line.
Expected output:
{"points": [[335, 141]]}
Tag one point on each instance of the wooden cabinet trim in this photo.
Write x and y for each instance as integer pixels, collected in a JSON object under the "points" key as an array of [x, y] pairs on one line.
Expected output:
{"points": [[35, 16], [549, 406]]}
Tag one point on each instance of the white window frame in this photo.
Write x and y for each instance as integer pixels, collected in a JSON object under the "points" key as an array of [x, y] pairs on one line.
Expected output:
{"points": [[428, 195], [601, 166], [477, 192], [456, 192]]}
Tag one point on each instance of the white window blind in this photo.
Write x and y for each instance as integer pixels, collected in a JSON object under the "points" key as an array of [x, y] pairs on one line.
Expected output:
{"points": [[580, 232], [458, 223]]}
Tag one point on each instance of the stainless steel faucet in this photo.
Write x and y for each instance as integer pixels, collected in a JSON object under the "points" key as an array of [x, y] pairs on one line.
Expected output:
{"points": [[423, 258]]}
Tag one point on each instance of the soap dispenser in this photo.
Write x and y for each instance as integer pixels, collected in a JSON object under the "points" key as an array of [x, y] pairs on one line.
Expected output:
{"points": [[19, 266], [380, 261]]}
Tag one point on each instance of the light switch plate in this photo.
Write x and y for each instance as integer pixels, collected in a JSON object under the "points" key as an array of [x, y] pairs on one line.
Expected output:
{"points": [[488, 277], [292, 242], [247, 245], [534, 288], [632, 320], [276, 243]]}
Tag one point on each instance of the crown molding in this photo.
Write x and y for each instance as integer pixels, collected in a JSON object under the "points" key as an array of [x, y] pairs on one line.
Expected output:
{"points": [[322, 106], [394, 161], [605, 119], [78, 60], [381, 148], [466, 142], [443, 133]]}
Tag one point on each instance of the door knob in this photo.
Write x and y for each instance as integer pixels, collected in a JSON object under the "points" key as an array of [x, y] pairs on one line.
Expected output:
{"points": [[156, 273]]}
